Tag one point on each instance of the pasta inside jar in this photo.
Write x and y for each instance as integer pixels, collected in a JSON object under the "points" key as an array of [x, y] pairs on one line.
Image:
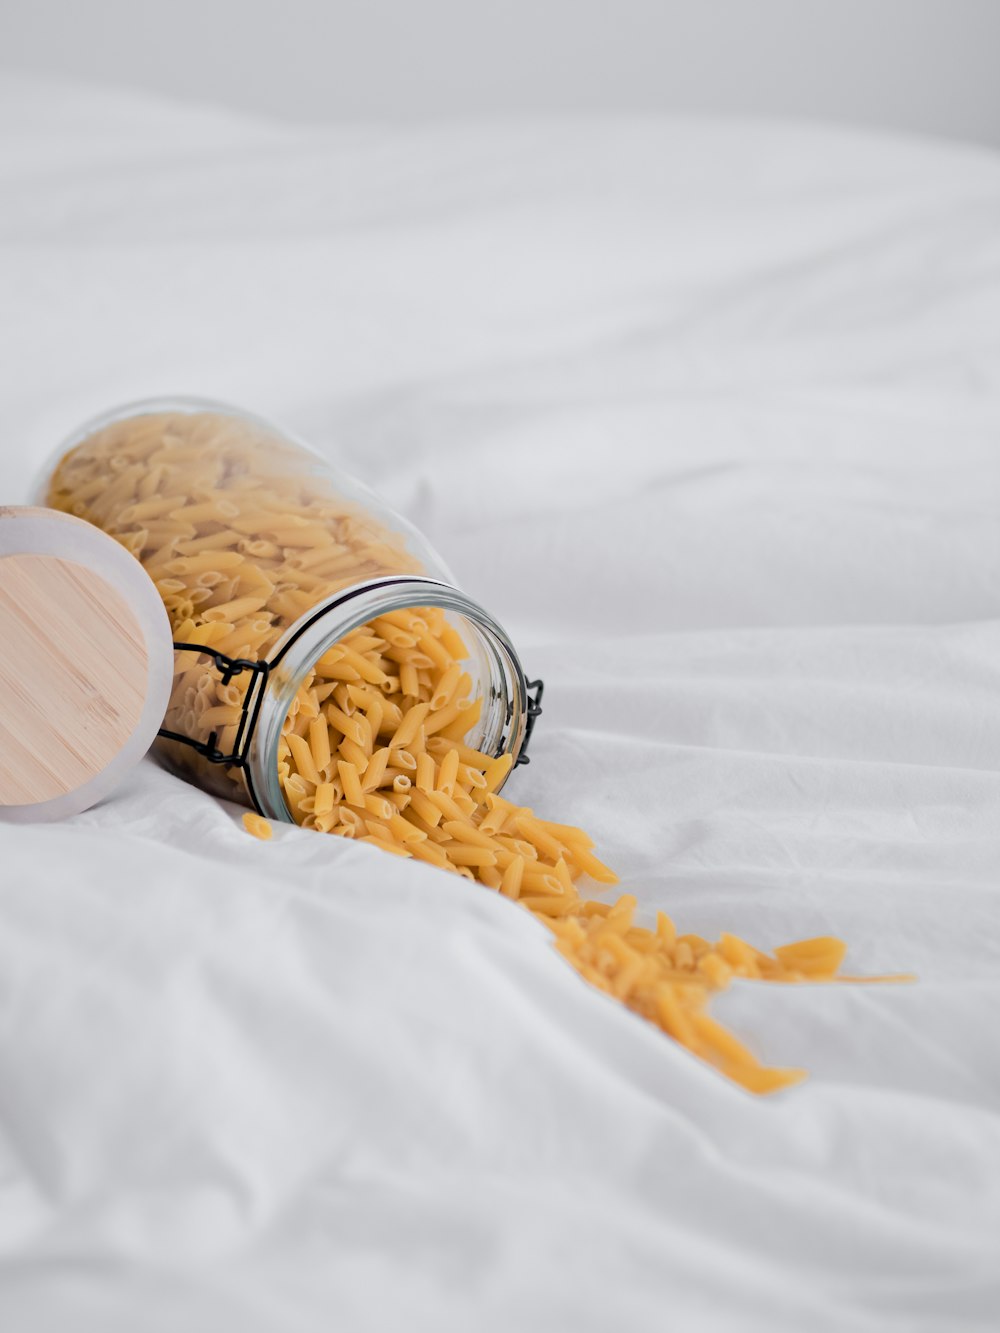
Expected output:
{"points": [[262, 552]]}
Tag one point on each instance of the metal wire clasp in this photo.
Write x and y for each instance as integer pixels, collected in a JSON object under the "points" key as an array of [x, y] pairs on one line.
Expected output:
{"points": [[534, 711], [228, 667]]}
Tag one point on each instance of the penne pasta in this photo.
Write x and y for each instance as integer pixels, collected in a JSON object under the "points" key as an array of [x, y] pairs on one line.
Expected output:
{"points": [[351, 782], [379, 743]]}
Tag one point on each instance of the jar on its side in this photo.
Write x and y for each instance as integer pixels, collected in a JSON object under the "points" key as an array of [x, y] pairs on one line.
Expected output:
{"points": [[267, 559]]}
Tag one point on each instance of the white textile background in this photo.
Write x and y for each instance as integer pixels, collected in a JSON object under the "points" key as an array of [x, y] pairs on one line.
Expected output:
{"points": [[707, 413]]}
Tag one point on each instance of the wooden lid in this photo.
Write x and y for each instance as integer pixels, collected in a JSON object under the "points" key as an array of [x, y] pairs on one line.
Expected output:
{"points": [[85, 664]]}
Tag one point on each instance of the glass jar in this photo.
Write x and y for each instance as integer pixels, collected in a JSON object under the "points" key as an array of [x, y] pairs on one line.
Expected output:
{"points": [[266, 558]]}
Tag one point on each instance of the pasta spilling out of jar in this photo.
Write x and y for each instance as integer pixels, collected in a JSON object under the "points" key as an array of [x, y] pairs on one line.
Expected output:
{"points": [[243, 538], [373, 749]]}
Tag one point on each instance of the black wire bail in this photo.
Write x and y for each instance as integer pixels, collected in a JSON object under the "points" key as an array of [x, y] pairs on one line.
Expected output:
{"points": [[533, 712], [228, 667]]}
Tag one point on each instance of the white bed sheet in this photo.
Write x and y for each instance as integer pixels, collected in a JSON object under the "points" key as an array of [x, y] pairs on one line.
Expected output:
{"points": [[708, 414]]}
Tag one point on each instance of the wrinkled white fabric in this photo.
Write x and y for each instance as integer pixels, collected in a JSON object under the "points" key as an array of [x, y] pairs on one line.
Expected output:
{"points": [[708, 414]]}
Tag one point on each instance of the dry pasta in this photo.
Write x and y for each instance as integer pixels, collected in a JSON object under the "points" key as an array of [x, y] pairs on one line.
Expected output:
{"points": [[257, 825], [240, 539], [373, 747], [453, 818]]}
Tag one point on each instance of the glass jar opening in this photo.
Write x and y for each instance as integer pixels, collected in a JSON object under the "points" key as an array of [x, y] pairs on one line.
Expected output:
{"points": [[497, 676]]}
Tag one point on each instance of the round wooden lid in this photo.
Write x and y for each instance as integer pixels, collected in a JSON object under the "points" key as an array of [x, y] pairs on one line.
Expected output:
{"points": [[85, 664]]}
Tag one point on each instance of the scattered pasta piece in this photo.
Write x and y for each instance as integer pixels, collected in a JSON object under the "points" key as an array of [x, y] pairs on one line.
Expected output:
{"points": [[257, 825]]}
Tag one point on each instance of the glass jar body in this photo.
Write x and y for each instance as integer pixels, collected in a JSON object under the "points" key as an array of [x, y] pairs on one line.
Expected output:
{"points": [[267, 558]]}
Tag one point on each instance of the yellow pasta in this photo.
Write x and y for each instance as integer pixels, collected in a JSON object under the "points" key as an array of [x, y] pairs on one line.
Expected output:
{"points": [[386, 844], [513, 875], [355, 754], [495, 772], [424, 776], [667, 979], [319, 743], [353, 794], [375, 744], [410, 725], [423, 806], [303, 758], [375, 768], [257, 825], [409, 683], [448, 773]]}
